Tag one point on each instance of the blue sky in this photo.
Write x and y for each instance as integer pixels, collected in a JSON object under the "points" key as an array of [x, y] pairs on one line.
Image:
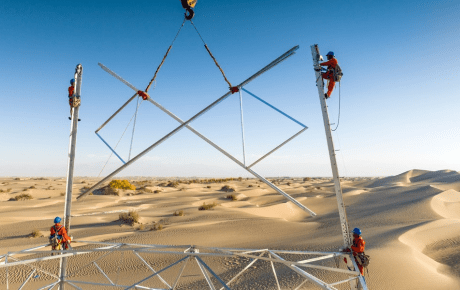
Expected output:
{"points": [[399, 94]]}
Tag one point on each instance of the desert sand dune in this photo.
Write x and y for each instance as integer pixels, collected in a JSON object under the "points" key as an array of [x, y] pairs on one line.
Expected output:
{"points": [[410, 223]]}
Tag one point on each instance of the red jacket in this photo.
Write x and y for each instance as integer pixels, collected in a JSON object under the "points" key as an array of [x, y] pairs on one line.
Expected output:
{"points": [[332, 63], [61, 231], [358, 245], [71, 90]]}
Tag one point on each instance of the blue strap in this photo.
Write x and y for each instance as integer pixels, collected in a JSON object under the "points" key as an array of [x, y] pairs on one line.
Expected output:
{"points": [[276, 109], [110, 148]]}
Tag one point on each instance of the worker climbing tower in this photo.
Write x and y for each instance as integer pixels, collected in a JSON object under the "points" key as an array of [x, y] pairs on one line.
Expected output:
{"points": [[335, 171]]}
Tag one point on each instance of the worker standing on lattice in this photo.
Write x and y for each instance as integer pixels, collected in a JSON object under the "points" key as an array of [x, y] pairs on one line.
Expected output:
{"points": [[74, 101], [58, 236], [331, 74]]}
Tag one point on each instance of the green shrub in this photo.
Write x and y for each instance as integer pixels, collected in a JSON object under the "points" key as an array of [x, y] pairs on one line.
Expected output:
{"points": [[207, 206], [121, 184]]}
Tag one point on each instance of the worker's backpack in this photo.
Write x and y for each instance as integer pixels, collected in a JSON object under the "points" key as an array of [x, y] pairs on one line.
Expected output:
{"points": [[337, 71], [363, 259]]}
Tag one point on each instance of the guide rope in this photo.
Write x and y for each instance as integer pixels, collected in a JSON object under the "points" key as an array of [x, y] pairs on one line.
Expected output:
{"points": [[134, 128], [338, 119], [120, 139], [232, 89], [164, 58]]}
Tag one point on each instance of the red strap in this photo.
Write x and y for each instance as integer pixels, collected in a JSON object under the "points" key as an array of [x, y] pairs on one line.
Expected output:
{"points": [[144, 95], [234, 90]]}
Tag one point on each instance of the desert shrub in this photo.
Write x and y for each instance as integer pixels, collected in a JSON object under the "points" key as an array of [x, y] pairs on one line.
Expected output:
{"points": [[25, 189], [36, 233], [62, 193], [156, 227], [157, 191], [110, 191], [288, 184], [250, 185], [179, 213], [83, 181], [231, 197], [32, 187], [130, 217], [207, 206], [121, 184], [141, 227], [24, 196], [17, 178], [173, 184], [209, 186], [8, 189], [307, 179], [227, 188]]}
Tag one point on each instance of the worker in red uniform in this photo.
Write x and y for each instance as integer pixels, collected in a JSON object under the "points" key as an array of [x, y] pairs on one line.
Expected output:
{"points": [[71, 96], [357, 248], [71, 91], [60, 233], [331, 63]]}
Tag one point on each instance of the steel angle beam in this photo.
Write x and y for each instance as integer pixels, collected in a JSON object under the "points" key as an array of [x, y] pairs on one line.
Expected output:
{"points": [[167, 136], [111, 149], [274, 108]]}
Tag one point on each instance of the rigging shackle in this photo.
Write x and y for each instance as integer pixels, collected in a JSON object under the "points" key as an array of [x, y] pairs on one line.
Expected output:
{"points": [[188, 5]]}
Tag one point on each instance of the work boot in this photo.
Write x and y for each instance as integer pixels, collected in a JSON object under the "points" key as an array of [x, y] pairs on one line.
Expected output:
{"points": [[70, 118], [326, 96]]}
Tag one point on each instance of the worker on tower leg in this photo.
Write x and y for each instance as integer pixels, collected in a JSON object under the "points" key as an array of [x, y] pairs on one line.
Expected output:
{"points": [[71, 96], [58, 235], [357, 248], [331, 63]]}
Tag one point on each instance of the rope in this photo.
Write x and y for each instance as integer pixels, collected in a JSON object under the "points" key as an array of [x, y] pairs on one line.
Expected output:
{"points": [[134, 127], [119, 141], [210, 54], [164, 58], [338, 119]]}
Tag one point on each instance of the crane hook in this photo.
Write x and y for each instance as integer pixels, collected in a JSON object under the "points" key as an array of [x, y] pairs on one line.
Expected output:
{"points": [[188, 5]]}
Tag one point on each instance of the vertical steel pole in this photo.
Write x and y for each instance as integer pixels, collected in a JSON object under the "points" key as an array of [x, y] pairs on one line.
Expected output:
{"points": [[242, 126], [71, 164], [335, 171], [330, 145]]}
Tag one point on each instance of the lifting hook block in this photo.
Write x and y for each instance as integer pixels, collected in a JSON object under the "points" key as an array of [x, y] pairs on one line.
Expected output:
{"points": [[188, 5]]}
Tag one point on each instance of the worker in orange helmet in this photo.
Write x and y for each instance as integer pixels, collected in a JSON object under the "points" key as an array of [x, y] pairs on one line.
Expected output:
{"points": [[357, 248], [59, 232], [331, 63]]}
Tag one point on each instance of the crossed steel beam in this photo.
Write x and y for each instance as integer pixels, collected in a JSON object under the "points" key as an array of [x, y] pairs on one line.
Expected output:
{"points": [[186, 253], [280, 59]]}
